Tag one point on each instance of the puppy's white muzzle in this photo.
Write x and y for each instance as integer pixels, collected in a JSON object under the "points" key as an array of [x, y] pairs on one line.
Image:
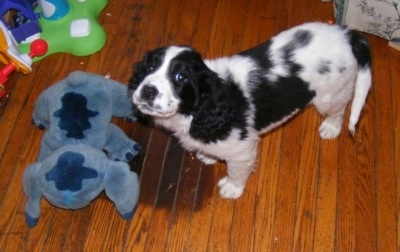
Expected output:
{"points": [[149, 100]]}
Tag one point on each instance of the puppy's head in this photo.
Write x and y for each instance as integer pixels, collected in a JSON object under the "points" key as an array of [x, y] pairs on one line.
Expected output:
{"points": [[168, 81]]}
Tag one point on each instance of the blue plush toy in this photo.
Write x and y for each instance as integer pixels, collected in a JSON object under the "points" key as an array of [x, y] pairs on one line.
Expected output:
{"points": [[72, 167]]}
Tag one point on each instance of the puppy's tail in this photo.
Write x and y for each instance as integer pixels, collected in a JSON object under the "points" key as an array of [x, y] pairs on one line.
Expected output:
{"points": [[363, 82]]}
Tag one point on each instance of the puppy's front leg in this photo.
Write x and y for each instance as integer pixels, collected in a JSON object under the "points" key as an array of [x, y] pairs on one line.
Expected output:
{"points": [[232, 186], [208, 160], [239, 169]]}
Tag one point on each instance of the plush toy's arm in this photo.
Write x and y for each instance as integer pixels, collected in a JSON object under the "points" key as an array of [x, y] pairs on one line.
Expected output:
{"points": [[122, 187], [122, 102], [33, 191], [40, 116], [119, 146]]}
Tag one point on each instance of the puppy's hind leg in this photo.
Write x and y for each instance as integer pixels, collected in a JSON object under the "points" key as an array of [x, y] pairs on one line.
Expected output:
{"points": [[332, 125]]}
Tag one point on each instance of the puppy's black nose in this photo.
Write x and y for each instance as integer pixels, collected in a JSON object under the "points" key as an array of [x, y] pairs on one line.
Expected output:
{"points": [[149, 92]]}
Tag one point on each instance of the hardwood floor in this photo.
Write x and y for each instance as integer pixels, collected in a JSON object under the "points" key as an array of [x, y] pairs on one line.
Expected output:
{"points": [[306, 194]]}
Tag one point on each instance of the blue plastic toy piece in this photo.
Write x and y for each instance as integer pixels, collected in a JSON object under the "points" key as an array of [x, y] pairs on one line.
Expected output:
{"points": [[23, 21], [54, 9]]}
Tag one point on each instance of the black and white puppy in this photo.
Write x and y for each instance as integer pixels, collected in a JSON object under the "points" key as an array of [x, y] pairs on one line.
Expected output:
{"points": [[219, 108]]}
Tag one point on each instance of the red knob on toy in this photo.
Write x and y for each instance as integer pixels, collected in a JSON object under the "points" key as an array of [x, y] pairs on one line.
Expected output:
{"points": [[38, 48]]}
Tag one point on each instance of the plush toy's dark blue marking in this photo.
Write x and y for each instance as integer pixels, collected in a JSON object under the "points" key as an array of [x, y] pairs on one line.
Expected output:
{"points": [[69, 172], [129, 156], [137, 147], [130, 214], [40, 126], [74, 116], [30, 221]]}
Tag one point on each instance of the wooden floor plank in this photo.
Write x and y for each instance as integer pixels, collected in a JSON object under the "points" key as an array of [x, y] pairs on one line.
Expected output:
{"points": [[346, 209], [201, 219], [219, 238], [306, 201], [287, 186], [327, 196], [267, 186], [384, 166], [394, 65], [164, 204], [184, 202]]}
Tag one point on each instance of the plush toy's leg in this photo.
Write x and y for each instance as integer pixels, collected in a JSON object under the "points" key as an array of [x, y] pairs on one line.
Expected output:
{"points": [[122, 187], [40, 115], [119, 146], [32, 190], [47, 146]]}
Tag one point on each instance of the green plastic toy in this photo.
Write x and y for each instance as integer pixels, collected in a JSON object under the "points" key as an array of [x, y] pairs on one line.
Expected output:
{"points": [[76, 32]]}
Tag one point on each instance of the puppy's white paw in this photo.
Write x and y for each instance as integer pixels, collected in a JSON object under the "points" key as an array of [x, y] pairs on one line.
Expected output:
{"points": [[229, 190], [205, 159], [327, 130]]}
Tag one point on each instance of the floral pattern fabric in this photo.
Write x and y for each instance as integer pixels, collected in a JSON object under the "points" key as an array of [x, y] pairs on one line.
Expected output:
{"points": [[378, 17]]}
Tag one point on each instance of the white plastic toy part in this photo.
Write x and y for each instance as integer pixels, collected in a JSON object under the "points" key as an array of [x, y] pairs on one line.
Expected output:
{"points": [[80, 28]]}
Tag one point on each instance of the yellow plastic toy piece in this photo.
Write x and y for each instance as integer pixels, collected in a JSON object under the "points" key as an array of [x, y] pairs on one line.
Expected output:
{"points": [[9, 52]]}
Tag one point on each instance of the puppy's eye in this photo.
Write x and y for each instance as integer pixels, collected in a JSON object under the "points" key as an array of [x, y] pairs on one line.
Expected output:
{"points": [[181, 78], [150, 68]]}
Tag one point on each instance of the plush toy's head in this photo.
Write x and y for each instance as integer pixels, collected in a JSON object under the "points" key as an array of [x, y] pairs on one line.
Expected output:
{"points": [[73, 175], [79, 109]]}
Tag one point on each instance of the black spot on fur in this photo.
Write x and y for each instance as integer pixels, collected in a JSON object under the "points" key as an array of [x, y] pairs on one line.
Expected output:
{"points": [[360, 49], [260, 54], [301, 38], [324, 67], [342, 69], [276, 100]]}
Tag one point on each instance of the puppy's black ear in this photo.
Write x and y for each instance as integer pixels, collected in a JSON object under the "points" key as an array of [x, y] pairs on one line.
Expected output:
{"points": [[211, 121], [149, 63], [139, 72], [140, 69], [216, 111]]}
